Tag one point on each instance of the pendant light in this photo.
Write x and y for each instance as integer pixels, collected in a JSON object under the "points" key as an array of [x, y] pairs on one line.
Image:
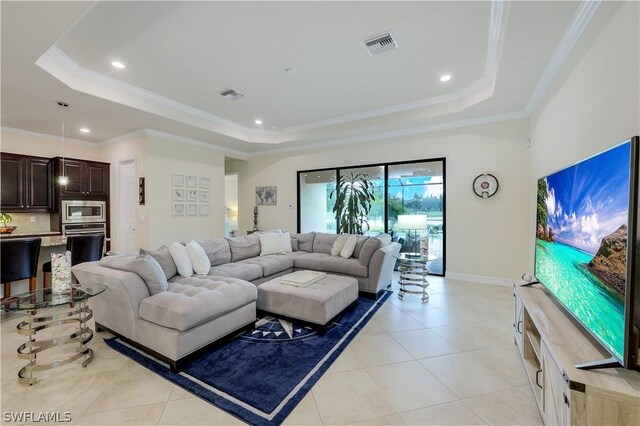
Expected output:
{"points": [[62, 179]]}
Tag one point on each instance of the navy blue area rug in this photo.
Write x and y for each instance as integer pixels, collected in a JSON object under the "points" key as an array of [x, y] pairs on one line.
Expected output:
{"points": [[261, 375]]}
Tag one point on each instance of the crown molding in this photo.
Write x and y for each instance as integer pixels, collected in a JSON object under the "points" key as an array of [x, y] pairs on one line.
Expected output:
{"points": [[241, 155], [61, 66], [30, 133], [397, 133], [568, 41], [124, 138]]}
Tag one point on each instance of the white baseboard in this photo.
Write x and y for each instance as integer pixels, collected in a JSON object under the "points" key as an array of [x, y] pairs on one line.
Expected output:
{"points": [[480, 279]]}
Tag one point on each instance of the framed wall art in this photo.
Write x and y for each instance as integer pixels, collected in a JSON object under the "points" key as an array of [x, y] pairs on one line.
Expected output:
{"points": [[266, 195], [178, 209], [178, 194], [178, 179], [192, 195], [192, 181]]}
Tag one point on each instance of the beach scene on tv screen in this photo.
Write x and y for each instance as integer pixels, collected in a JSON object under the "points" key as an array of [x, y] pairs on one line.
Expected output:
{"points": [[581, 241]]}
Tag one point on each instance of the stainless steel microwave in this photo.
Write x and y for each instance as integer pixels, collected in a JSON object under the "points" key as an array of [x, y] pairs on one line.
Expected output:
{"points": [[83, 211]]}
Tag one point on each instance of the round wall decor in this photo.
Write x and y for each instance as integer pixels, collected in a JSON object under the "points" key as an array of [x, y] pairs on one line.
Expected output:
{"points": [[485, 185]]}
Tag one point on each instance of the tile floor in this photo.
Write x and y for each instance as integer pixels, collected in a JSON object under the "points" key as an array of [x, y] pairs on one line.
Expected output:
{"points": [[449, 361]]}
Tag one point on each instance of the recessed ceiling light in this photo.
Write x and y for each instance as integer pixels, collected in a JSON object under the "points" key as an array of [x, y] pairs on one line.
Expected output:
{"points": [[85, 130], [258, 122], [291, 71], [445, 78], [117, 64]]}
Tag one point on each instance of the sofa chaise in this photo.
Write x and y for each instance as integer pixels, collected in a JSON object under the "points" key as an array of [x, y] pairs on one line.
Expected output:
{"points": [[193, 312]]}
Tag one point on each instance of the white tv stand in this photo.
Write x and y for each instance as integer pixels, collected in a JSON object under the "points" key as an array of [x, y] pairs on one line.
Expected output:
{"points": [[550, 345]]}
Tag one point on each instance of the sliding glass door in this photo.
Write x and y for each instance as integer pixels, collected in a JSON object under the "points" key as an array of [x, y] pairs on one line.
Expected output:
{"points": [[416, 209], [409, 204]]}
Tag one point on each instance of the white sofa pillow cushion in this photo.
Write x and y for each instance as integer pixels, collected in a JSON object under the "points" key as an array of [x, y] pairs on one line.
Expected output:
{"points": [[271, 244], [199, 259], [338, 244], [349, 247], [181, 259], [286, 242]]}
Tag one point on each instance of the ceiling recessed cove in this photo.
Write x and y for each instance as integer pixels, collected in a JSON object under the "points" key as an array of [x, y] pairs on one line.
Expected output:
{"points": [[380, 43], [231, 94]]}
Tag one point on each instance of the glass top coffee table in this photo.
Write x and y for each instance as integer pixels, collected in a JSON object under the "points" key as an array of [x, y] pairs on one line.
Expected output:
{"points": [[72, 309]]}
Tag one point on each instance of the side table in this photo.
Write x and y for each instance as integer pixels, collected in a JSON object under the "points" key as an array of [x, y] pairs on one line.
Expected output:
{"points": [[73, 308], [413, 273]]}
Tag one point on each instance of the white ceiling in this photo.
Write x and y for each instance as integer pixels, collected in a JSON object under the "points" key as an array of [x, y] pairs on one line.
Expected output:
{"points": [[179, 55]]}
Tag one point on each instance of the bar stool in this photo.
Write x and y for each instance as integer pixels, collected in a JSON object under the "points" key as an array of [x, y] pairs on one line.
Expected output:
{"points": [[83, 248], [19, 260]]}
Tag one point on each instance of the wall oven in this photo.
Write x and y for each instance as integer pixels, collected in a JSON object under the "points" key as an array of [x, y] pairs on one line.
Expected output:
{"points": [[83, 211]]}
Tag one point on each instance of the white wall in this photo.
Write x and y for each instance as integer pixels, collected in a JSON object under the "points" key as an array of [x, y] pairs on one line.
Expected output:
{"points": [[484, 237], [166, 157], [594, 103], [133, 149]]}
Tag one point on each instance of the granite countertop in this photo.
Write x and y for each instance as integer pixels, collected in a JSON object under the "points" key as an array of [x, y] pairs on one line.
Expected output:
{"points": [[49, 238]]}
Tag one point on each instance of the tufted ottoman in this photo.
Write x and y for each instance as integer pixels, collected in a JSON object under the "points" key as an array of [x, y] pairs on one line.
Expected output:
{"points": [[317, 304]]}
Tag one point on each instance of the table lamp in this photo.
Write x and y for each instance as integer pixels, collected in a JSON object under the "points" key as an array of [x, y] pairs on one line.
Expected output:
{"points": [[415, 223]]}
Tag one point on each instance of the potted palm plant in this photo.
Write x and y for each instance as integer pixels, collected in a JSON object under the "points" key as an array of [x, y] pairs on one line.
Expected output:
{"points": [[4, 219], [354, 194]]}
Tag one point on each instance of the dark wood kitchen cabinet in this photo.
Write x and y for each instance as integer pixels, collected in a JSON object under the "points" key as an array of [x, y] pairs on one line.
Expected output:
{"points": [[87, 179], [26, 183]]}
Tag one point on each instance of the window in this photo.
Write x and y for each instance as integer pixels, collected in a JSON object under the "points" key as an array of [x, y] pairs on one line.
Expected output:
{"points": [[409, 204], [315, 209]]}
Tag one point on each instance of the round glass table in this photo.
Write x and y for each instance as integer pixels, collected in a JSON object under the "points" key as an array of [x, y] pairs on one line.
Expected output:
{"points": [[73, 309], [413, 273]]}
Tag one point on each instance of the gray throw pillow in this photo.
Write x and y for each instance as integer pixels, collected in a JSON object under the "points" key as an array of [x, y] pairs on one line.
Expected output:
{"points": [[144, 265], [370, 246], [360, 240], [305, 241], [294, 243], [163, 257], [385, 238], [244, 247], [217, 250]]}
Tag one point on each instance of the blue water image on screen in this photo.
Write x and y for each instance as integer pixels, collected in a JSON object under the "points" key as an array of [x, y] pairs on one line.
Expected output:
{"points": [[581, 240]]}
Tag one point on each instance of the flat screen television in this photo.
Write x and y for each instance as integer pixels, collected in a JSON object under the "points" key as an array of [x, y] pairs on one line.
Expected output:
{"points": [[587, 247]]}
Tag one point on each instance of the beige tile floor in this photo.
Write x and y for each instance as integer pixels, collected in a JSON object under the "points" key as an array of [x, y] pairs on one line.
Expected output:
{"points": [[449, 361]]}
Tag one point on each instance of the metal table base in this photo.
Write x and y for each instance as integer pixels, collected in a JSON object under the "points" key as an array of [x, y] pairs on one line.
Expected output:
{"points": [[79, 313], [413, 273]]}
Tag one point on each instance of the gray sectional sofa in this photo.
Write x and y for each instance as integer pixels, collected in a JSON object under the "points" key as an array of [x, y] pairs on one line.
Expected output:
{"points": [[195, 311]]}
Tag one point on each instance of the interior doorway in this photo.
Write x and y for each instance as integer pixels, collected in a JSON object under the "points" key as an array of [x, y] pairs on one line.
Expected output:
{"points": [[231, 205], [127, 239]]}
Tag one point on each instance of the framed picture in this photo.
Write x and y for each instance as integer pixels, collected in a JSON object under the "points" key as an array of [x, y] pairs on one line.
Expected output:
{"points": [[141, 191], [204, 209], [178, 194], [204, 182], [192, 195], [192, 181], [266, 195], [178, 179], [178, 209], [192, 209], [205, 196]]}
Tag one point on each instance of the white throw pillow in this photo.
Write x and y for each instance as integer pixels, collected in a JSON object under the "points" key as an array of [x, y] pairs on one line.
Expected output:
{"points": [[181, 259], [199, 259], [338, 244], [286, 242], [271, 244], [349, 247]]}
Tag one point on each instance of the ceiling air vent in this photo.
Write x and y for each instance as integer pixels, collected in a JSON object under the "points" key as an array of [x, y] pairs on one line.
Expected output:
{"points": [[231, 94], [380, 43]]}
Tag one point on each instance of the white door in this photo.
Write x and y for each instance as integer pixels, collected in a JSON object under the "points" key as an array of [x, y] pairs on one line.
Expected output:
{"points": [[127, 204]]}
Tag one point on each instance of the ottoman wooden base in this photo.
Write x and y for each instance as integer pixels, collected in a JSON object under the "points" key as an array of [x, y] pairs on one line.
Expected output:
{"points": [[317, 304]]}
